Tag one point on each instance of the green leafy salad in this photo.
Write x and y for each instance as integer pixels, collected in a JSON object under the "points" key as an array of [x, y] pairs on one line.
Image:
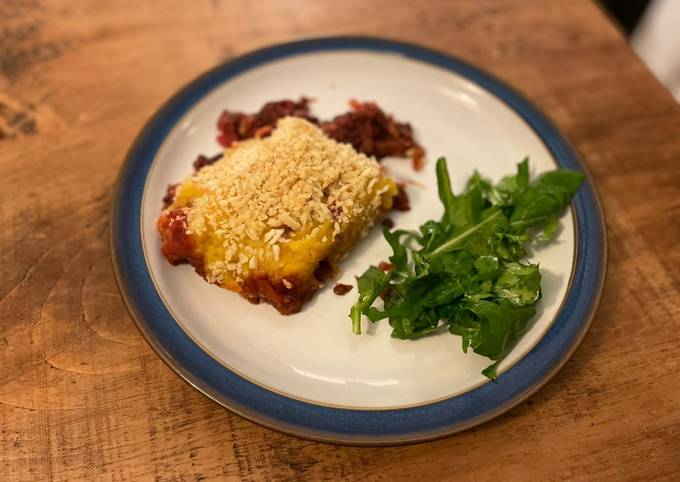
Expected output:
{"points": [[468, 271]]}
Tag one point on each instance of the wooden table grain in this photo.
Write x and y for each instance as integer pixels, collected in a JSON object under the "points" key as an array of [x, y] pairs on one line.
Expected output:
{"points": [[82, 396]]}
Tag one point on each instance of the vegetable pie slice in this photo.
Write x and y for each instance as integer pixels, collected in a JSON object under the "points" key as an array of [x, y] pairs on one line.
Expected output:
{"points": [[274, 217]]}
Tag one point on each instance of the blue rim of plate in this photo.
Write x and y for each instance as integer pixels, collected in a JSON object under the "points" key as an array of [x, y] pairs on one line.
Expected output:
{"points": [[341, 425]]}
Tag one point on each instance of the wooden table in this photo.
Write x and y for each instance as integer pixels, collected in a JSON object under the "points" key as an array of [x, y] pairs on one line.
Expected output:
{"points": [[82, 396]]}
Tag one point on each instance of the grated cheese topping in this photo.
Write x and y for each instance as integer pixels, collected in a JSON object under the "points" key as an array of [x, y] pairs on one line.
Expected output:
{"points": [[263, 194]]}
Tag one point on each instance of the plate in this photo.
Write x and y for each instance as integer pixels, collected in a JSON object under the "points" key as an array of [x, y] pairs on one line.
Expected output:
{"points": [[307, 374]]}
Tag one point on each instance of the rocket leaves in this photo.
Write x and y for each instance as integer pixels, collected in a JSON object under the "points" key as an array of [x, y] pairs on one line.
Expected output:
{"points": [[467, 271]]}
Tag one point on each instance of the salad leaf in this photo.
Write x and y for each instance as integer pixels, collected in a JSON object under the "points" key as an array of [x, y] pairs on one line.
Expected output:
{"points": [[490, 327], [399, 259], [544, 199], [370, 285], [519, 284], [467, 271], [445, 193]]}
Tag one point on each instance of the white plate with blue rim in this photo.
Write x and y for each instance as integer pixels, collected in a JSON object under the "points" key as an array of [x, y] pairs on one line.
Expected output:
{"points": [[307, 374]]}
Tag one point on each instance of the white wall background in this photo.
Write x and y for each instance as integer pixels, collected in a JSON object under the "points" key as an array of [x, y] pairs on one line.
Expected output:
{"points": [[656, 40]]}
